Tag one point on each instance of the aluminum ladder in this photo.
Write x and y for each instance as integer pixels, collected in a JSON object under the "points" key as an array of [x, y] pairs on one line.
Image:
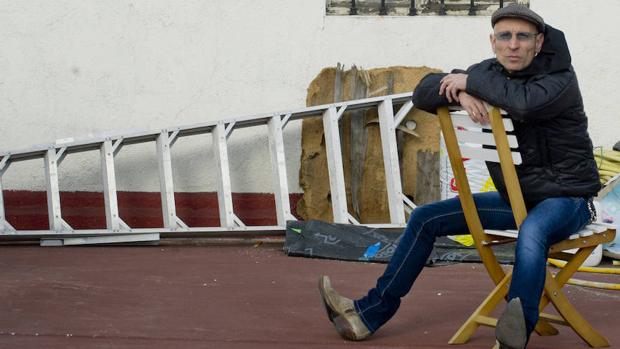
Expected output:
{"points": [[61, 233]]}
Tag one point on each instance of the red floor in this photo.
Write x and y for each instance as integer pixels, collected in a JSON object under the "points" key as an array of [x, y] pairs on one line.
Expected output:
{"points": [[235, 296]]}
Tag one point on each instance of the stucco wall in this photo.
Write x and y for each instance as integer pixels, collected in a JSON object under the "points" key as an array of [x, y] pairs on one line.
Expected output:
{"points": [[78, 67]]}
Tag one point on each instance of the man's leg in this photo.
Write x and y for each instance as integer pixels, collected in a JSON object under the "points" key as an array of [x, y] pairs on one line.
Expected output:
{"points": [[425, 224], [549, 222]]}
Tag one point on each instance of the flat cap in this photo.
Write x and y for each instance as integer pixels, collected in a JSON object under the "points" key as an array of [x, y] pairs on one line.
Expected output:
{"points": [[521, 12]]}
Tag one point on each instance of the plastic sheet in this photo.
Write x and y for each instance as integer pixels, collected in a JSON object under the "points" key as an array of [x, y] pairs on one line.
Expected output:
{"points": [[319, 239]]}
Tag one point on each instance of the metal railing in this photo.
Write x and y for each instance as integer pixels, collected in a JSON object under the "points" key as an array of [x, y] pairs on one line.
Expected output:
{"points": [[442, 9]]}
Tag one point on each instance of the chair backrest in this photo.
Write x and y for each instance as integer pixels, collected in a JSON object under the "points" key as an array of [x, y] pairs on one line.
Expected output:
{"points": [[467, 139], [471, 138]]}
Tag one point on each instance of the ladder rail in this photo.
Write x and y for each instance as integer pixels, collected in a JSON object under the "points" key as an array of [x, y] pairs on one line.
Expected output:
{"points": [[38, 151]]}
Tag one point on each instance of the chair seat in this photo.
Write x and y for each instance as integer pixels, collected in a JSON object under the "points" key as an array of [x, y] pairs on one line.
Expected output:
{"points": [[591, 235], [588, 230]]}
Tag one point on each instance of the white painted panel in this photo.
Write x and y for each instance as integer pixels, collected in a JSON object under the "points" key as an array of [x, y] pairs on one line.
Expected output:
{"points": [[486, 154], [482, 138], [461, 119]]}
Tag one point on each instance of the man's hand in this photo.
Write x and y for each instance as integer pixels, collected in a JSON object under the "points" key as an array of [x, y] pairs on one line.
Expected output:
{"points": [[475, 107], [451, 85]]}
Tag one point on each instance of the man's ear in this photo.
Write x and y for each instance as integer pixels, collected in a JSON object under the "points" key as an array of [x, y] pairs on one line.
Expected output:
{"points": [[492, 40], [540, 38]]}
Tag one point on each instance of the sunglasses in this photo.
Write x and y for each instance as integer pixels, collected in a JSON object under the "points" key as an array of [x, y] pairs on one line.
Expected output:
{"points": [[521, 36]]}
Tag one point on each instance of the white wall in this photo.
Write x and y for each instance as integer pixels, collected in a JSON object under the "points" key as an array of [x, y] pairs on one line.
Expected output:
{"points": [[78, 67]]}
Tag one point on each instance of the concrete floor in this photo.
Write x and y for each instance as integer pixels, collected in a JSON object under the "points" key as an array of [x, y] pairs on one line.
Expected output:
{"points": [[235, 296]]}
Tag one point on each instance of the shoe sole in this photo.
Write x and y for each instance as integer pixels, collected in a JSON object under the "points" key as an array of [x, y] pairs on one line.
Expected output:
{"points": [[511, 328], [331, 313], [344, 330]]}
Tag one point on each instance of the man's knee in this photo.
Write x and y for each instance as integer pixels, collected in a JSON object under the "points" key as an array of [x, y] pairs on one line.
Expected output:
{"points": [[420, 213], [424, 215], [431, 217], [532, 236]]}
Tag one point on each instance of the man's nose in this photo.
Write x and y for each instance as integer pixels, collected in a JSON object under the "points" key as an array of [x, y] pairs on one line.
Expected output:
{"points": [[513, 43]]}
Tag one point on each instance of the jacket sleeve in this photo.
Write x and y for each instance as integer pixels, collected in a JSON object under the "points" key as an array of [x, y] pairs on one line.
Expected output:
{"points": [[538, 98], [426, 94]]}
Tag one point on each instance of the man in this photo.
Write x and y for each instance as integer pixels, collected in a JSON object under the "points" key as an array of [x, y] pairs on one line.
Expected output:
{"points": [[531, 77]]}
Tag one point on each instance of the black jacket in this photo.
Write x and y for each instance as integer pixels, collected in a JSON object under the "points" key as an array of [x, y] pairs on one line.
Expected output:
{"points": [[545, 104]]}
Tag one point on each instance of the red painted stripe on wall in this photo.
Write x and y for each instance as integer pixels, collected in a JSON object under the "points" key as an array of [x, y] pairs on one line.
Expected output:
{"points": [[27, 210]]}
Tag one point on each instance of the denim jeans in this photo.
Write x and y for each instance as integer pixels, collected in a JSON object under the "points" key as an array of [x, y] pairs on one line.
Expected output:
{"points": [[550, 221]]}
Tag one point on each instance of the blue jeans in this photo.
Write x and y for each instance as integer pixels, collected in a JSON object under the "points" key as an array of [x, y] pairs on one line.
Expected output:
{"points": [[550, 221]]}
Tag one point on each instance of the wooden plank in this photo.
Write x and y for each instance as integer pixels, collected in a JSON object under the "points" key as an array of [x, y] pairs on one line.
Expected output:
{"points": [[508, 168], [461, 119], [358, 140], [474, 152], [428, 184], [477, 137]]}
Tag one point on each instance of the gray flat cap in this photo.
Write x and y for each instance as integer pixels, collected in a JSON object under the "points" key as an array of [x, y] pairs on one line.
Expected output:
{"points": [[521, 12]]}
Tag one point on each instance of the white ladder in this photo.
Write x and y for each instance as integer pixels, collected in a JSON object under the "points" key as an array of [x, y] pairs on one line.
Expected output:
{"points": [[61, 233]]}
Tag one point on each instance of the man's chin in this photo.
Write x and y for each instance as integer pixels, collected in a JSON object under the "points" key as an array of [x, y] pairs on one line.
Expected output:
{"points": [[513, 67]]}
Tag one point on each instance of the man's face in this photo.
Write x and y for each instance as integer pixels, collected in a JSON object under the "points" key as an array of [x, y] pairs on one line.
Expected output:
{"points": [[515, 43]]}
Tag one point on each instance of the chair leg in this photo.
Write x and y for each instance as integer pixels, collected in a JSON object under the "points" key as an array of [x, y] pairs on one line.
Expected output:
{"points": [[572, 265], [575, 320], [480, 315], [565, 273], [484, 309], [544, 328]]}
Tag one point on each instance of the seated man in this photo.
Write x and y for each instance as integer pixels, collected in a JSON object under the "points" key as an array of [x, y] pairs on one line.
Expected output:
{"points": [[531, 77]]}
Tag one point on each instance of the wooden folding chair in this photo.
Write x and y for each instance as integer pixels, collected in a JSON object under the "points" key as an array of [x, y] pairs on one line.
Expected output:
{"points": [[466, 141]]}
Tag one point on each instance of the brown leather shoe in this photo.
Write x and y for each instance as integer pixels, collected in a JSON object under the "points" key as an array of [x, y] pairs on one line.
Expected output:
{"points": [[335, 304], [510, 331], [351, 327], [341, 312]]}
